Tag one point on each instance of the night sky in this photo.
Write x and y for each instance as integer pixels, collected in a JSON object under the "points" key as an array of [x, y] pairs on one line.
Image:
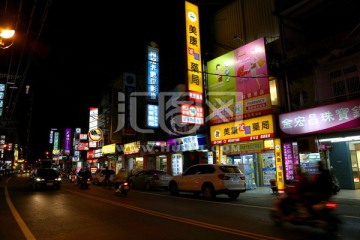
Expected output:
{"points": [[77, 47]]}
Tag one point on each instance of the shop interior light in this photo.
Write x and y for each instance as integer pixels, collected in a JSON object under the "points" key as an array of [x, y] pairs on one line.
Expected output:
{"points": [[341, 139]]}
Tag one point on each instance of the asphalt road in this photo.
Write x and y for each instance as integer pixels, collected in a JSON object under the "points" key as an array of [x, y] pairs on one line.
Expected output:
{"points": [[96, 213]]}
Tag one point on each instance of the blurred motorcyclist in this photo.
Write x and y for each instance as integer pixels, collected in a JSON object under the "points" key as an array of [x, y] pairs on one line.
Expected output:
{"points": [[83, 174], [308, 191], [297, 193], [121, 177]]}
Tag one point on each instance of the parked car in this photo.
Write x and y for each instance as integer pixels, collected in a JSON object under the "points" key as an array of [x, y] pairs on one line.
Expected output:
{"points": [[150, 179], [210, 180], [43, 178], [99, 176]]}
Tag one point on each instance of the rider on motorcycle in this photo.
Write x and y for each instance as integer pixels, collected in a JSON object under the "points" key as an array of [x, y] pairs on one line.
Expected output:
{"points": [[306, 191], [120, 177]]}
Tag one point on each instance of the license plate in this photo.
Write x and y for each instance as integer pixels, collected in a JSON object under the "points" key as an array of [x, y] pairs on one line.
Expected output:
{"points": [[49, 184]]}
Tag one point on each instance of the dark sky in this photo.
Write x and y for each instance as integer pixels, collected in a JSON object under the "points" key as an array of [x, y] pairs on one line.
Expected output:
{"points": [[77, 47]]}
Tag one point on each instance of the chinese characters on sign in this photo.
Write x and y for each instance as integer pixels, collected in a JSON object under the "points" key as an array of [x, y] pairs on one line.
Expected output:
{"points": [[336, 116], [249, 129]]}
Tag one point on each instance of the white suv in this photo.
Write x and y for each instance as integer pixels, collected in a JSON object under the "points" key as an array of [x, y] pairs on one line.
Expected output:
{"points": [[210, 180]]}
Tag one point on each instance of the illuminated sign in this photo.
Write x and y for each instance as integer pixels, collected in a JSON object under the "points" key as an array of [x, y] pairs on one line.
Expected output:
{"points": [[192, 114], [249, 129], [95, 134], [109, 149], [153, 72], [130, 148], [152, 115], [194, 66], [238, 84], [67, 140], [338, 116]]}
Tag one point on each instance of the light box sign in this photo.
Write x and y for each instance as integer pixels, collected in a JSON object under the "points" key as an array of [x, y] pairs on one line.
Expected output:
{"points": [[195, 82], [67, 141], [246, 130], [153, 73], [192, 114], [83, 136], [188, 143], [109, 149], [338, 116], [131, 148], [238, 84], [152, 115]]}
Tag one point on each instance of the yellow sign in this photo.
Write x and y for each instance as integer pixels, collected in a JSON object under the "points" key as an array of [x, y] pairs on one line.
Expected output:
{"points": [[195, 82], [109, 149], [95, 134], [279, 166], [246, 130], [130, 148]]}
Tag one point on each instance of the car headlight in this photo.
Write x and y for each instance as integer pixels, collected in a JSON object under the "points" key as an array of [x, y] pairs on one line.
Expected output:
{"points": [[58, 179], [39, 179]]}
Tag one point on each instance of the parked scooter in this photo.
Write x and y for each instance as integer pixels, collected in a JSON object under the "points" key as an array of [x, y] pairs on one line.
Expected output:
{"points": [[121, 188], [322, 214]]}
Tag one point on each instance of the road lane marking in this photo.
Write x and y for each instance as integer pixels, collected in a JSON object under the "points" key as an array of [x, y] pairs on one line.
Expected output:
{"points": [[25, 230], [214, 227]]}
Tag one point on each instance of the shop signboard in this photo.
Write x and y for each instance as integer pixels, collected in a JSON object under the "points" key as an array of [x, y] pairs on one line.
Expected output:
{"points": [[338, 116], [249, 129]]}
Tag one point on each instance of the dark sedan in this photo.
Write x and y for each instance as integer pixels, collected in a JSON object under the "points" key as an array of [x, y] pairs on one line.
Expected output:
{"points": [[150, 179], [43, 178]]}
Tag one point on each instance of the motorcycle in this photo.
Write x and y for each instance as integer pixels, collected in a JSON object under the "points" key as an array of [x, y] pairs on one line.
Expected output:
{"points": [[83, 182], [72, 177], [121, 188], [322, 214]]}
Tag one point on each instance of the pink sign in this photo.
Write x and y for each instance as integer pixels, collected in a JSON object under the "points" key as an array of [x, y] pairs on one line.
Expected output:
{"points": [[339, 116], [251, 70]]}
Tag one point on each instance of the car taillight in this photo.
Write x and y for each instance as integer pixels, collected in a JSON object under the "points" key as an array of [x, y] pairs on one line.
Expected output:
{"points": [[223, 177], [126, 183], [242, 178], [331, 204]]}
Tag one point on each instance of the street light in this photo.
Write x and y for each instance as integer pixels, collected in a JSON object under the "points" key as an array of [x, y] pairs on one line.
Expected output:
{"points": [[6, 36], [7, 33]]}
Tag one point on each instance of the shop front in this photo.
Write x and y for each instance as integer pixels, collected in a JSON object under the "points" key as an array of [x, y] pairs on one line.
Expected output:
{"points": [[248, 144], [134, 161], [187, 151], [331, 134], [155, 155], [112, 158]]}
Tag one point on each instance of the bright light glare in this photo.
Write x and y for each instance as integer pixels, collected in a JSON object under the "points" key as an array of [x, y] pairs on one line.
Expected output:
{"points": [[7, 33]]}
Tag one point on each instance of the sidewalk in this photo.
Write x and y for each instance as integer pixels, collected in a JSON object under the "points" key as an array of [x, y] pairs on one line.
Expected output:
{"points": [[344, 193]]}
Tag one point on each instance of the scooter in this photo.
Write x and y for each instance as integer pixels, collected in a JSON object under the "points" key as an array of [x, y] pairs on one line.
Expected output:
{"points": [[121, 188], [72, 177], [322, 214], [84, 183]]}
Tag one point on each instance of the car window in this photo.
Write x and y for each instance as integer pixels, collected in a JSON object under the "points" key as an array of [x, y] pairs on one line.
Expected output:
{"points": [[230, 169], [193, 170], [48, 173], [206, 169]]}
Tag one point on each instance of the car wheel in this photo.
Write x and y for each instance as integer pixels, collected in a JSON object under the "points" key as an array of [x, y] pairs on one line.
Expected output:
{"points": [[148, 186], [173, 188], [208, 192], [234, 194]]}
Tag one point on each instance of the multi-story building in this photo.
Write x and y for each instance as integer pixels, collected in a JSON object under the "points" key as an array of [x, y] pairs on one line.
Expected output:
{"points": [[312, 54]]}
